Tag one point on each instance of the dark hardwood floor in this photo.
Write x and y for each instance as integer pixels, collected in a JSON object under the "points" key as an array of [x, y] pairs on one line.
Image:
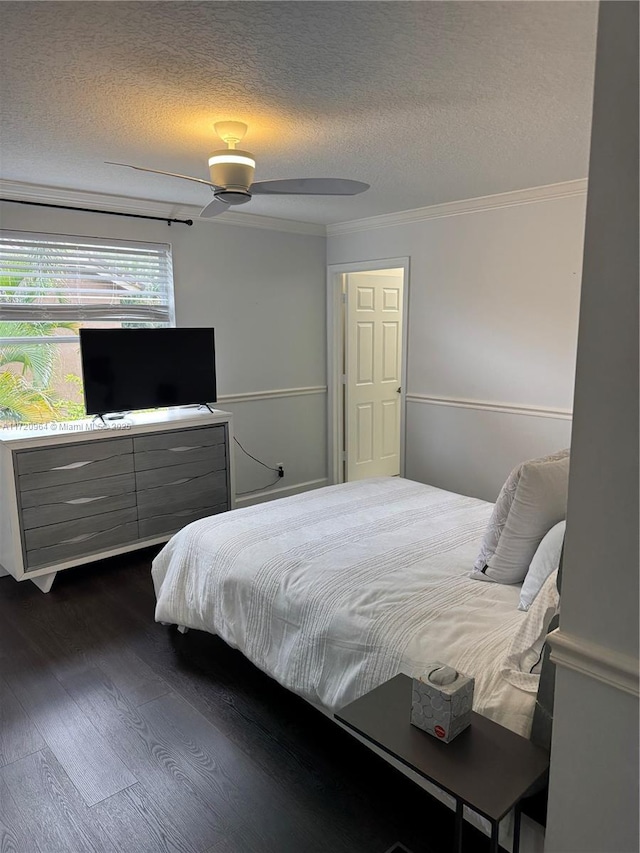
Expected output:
{"points": [[118, 734]]}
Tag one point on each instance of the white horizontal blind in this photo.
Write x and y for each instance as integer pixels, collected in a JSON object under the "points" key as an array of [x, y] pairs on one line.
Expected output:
{"points": [[48, 277]]}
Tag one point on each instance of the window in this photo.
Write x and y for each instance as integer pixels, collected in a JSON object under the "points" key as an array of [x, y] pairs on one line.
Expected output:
{"points": [[51, 286]]}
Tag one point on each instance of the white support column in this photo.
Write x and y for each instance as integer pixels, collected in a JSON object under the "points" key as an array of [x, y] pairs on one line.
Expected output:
{"points": [[593, 785]]}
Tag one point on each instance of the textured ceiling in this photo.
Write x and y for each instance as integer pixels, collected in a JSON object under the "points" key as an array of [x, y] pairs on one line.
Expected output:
{"points": [[426, 101]]}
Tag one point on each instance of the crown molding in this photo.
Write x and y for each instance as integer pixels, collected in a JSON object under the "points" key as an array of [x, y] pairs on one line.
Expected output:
{"points": [[567, 189], [609, 666], [21, 191]]}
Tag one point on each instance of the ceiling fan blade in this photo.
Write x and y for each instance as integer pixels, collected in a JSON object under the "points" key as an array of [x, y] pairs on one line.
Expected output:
{"points": [[214, 208], [308, 186], [159, 172]]}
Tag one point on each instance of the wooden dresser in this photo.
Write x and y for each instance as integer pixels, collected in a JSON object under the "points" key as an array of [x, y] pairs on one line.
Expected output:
{"points": [[77, 492]]}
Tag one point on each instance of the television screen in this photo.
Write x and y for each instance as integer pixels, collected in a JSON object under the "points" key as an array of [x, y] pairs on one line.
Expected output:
{"points": [[128, 369]]}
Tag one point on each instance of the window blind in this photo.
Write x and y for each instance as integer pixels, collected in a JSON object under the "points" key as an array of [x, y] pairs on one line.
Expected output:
{"points": [[49, 277]]}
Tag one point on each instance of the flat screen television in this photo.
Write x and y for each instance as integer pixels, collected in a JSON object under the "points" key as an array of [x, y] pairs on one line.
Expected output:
{"points": [[128, 369]]}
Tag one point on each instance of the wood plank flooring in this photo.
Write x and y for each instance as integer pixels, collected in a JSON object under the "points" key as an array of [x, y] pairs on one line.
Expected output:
{"points": [[118, 734]]}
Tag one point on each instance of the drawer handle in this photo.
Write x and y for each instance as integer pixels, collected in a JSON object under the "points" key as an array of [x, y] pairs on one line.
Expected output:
{"points": [[85, 500], [84, 536], [182, 449], [72, 465], [81, 538]]}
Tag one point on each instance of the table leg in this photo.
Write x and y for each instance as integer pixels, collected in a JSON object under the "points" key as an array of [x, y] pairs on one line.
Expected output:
{"points": [[517, 813], [494, 837], [457, 845]]}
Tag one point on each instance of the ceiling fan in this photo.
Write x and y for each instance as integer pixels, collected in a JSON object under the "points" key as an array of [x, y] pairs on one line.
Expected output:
{"points": [[231, 172]]}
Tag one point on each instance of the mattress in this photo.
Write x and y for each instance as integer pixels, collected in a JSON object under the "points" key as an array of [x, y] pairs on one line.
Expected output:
{"points": [[336, 590]]}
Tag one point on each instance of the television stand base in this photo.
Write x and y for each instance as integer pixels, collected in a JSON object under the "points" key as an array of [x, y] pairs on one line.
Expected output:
{"points": [[205, 406], [112, 416], [148, 459]]}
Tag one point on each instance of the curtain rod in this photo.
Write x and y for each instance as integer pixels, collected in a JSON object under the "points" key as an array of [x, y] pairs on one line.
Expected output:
{"points": [[166, 219]]}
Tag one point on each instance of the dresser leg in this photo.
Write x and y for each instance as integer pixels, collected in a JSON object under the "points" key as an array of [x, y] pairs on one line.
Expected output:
{"points": [[44, 582]]}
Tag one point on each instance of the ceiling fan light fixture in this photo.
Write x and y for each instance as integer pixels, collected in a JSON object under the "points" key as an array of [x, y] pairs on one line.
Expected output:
{"points": [[236, 157], [232, 172], [232, 169]]}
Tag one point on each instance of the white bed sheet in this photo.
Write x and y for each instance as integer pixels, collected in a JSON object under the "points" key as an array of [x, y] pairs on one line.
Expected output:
{"points": [[336, 590]]}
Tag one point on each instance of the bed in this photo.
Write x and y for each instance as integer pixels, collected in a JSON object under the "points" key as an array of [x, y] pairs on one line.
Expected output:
{"points": [[336, 590]]}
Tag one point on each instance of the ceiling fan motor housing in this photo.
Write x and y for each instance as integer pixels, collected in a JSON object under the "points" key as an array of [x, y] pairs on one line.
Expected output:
{"points": [[233, 170]]}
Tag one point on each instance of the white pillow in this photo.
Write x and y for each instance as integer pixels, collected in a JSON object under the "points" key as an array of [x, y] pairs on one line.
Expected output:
{"points": [[545, 561], [540, 502], [501, 515], [496, 522]]}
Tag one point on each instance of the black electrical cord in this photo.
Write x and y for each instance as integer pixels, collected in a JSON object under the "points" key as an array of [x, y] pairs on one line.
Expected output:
{"points": [[264, 465], [261, 489]]}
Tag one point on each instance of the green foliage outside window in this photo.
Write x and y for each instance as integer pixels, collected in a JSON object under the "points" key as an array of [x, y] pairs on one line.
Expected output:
{"points": [[26, 374]]}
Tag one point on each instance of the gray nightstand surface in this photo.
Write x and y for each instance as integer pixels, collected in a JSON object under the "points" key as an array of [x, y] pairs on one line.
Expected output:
{"points": [[487, 767]]}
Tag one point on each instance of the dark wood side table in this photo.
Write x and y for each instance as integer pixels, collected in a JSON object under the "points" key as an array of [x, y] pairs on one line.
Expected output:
{"points": [[487, 767]]}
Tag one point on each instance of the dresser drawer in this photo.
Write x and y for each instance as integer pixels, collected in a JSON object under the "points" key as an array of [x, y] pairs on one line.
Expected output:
{"points": [[215, 460], [42, 507], [193, 493], [160, 525], [180, 438], [81, 530], [99, 540], [174, 448], [73, 463]]}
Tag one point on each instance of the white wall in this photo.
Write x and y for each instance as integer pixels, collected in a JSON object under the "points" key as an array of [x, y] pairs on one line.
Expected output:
{"points": [[593, 804], [493, 312], [264, 292]]}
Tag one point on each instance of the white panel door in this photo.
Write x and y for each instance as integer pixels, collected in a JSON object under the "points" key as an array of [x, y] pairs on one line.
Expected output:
{"points": [[373, 350]]}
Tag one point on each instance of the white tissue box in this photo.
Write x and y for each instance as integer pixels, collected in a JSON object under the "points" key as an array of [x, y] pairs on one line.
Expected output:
{"points": [[443, 710]]}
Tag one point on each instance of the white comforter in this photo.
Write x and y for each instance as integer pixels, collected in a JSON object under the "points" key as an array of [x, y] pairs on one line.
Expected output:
{"points": [[336, 590]]}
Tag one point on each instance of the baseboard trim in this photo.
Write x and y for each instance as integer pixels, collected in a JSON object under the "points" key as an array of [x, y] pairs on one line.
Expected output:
{"points": [[489, 406], [598, 662], [282, 492], [272, 394]]}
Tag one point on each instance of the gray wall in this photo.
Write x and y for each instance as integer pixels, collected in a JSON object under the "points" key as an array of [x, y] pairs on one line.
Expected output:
{"points": [[594, 761], [493, 316], [264, 292]]}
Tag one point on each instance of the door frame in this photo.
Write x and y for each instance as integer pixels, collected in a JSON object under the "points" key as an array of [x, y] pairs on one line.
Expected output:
{"points": [[335, 356]]}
